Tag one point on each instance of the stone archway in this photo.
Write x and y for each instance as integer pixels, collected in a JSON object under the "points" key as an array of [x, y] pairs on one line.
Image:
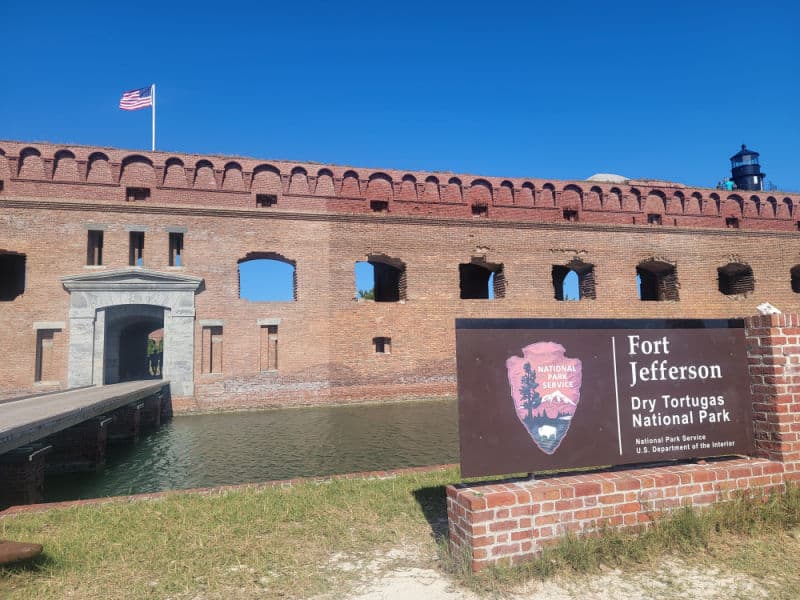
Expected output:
{"points": [[100, 302]]}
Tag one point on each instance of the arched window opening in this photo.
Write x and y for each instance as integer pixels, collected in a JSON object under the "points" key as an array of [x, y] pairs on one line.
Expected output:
{"points": [[267, 277], [574, 281], [481, 280], [657, 281], [795, 273], [12, 275], [381, 278], [735, 278]]}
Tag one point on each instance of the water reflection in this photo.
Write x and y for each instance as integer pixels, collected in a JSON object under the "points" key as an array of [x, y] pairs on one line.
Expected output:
{"points": [[208, 450]]}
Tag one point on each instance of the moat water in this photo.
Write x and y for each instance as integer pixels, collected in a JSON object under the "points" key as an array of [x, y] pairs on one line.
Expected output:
{"points": [[220, 449]]}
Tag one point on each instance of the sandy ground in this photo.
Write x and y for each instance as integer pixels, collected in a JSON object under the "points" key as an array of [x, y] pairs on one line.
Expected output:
{"points": [[383, 579]]}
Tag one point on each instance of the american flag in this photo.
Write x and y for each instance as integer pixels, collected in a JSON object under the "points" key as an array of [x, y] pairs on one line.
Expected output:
{"points": [[136, 99]]}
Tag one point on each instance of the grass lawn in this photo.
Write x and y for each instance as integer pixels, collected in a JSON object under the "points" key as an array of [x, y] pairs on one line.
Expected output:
{"points": [[302, 541]]}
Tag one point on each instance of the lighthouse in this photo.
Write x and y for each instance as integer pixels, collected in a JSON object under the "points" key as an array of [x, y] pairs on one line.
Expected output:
{"points": [[745, 170]]}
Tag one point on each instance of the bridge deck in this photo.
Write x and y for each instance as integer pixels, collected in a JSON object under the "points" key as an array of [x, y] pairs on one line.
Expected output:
{"points": [[30, 419]]}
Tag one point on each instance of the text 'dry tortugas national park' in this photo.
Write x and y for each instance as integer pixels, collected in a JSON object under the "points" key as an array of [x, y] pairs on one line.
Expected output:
{"points": [[606, 324]]}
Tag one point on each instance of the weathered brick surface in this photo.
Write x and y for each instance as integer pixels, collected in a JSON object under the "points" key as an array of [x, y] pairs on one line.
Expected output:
{"points": [[635, 497], [323, 222]]}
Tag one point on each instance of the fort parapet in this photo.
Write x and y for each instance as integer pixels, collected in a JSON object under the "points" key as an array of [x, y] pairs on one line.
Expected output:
{"points": [[89, 234]]}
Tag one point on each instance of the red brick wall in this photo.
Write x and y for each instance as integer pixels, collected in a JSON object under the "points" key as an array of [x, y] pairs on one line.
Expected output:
{"points": [[510, 521], [325, 225]]}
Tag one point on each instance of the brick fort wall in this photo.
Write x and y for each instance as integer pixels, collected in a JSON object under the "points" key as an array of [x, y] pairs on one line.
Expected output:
{"points": [[325, 218]]}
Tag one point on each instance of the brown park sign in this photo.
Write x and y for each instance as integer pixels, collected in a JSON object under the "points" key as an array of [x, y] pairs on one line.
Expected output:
{"points": [[541, 394]]}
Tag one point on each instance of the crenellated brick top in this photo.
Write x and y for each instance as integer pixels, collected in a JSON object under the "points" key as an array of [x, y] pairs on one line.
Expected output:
{"points": [[44, 170]]}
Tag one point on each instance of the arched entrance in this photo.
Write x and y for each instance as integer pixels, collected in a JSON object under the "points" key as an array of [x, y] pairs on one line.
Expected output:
{"points": [[130, 353], [111, 316]]}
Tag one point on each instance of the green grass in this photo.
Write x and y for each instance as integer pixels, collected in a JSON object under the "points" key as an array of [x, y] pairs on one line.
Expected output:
{"points": [[295, 542]]}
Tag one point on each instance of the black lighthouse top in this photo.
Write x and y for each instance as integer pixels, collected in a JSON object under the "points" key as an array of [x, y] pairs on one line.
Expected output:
{"points": [[745, 170]]}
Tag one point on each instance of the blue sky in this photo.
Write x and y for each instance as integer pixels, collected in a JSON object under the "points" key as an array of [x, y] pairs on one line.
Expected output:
{"points": [[558, 90]]}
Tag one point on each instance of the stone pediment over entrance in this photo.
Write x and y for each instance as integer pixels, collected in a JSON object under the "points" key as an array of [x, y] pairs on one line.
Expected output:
{"points": [[133, 278], [135, 292]]}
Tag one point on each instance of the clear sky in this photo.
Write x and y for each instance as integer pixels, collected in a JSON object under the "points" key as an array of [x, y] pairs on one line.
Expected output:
{"points": [[561, 90]]}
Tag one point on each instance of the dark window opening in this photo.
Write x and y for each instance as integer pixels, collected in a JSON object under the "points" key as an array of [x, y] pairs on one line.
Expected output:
{"points": [[12, 276], [574, 281], [798, 225], [480, 280], [480, 210], [175, 249], [266, 200], [383, 345], [570, 215], [795, 273], [94, 248], [379, 206], [269, 348], [735, 278], [136, 194], [136, 253], [658, 281], [45, 360], [381, 278], [211, 359], [732, 223], [267, 277], [653, 219], [1, 185]]}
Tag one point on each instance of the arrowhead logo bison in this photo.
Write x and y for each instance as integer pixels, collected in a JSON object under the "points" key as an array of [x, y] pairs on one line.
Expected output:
{"points": [[546, 389]]}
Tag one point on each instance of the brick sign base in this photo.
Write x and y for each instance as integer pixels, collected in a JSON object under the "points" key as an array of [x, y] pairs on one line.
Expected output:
{"points": [[507, 522]]}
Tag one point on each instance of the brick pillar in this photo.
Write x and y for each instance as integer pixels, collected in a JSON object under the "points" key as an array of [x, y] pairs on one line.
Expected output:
{"points": [[773, 353]]}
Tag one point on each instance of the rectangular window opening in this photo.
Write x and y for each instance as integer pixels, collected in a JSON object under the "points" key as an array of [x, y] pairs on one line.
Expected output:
{"points": [[45, 360], [653, 219], [136, 254], [480, 210], [2, 183], [732, 223], [383, 345], [269, 348], [137, 194], [570, 215], [379, 206], [94, 248], [266, 200], [212, 349], [175, 249]]}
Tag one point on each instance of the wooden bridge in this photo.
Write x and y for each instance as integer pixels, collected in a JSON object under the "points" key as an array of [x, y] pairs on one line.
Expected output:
{"points": [[68, 431]]}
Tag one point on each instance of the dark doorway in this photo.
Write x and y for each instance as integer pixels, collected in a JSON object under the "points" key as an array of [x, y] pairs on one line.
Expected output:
{"points": [[134, 343]]}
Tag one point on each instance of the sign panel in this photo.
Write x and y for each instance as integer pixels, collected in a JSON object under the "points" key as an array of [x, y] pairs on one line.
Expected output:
{"points": [[541, 394]]}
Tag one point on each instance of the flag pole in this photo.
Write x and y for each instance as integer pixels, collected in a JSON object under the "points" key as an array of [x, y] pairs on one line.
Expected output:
{"points": [[153, 93]]}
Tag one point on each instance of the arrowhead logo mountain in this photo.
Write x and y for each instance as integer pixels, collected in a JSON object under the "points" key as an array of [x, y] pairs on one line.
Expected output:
{"points": [[546, 389]]}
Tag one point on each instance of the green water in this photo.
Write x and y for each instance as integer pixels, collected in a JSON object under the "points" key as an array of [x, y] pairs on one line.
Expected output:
{"points": [[208, 450]]}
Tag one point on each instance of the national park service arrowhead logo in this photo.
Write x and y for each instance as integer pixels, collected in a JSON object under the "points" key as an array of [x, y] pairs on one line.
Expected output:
{"points": [[546, 389]]}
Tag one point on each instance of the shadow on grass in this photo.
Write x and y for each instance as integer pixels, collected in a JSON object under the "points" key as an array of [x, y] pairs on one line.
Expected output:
{"points": [[33, 565], [433, 502]]}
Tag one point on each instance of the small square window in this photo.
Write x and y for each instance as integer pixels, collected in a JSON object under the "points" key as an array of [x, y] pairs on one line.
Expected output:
{"points": [[732, 223], [480, 210], [136, 194], [266, 200], [380, 206], [654, 219], [570, 215], [383, 345]]}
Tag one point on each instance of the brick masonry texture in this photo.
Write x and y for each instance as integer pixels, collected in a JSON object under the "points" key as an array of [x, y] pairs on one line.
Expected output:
{"points": [[323, 222], [507, 522]]}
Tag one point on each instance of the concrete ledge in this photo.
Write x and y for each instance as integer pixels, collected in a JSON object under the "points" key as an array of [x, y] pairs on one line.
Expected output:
{"points": [[211, 322], [263, 322], [59, 325]]}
